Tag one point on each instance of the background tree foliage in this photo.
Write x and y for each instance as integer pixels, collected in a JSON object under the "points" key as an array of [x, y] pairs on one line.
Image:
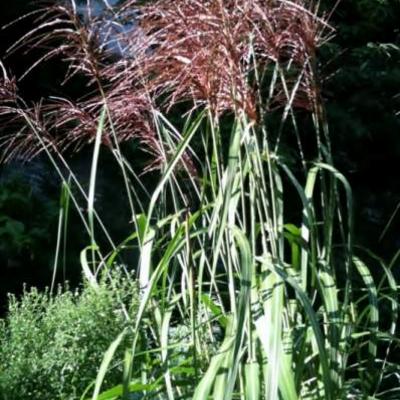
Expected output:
{"points": [[361, 67]]}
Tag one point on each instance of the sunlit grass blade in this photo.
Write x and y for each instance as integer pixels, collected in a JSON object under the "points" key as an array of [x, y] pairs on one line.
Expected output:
{"points": [[205, 386], [252, 379]]}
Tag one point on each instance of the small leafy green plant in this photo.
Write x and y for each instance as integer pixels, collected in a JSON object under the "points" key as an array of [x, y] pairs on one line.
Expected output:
{"points": [[51, 346]]}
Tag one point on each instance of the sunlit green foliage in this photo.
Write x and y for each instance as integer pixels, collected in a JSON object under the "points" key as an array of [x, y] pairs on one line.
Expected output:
{"points": [[51, 346]]}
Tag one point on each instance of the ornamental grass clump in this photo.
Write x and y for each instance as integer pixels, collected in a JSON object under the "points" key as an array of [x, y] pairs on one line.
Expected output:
{"points": [[137, 57], [250, 286]]}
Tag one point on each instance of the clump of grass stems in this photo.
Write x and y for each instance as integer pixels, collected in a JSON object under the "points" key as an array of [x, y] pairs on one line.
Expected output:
{"points": [[265, 301]]}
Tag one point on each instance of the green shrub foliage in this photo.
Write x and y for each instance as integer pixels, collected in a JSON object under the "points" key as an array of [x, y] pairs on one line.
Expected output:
{"points": [[52, 346]]}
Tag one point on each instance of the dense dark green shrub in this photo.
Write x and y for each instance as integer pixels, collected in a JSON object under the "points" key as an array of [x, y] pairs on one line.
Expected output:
{"points": [[52, 346]]}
